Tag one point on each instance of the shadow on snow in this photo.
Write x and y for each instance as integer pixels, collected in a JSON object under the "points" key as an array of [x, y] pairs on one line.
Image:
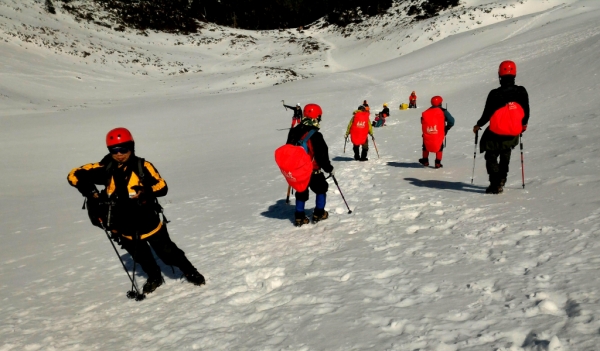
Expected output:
{"points": [[441, 184], [280, 210], [405, 164], [342, 158]]}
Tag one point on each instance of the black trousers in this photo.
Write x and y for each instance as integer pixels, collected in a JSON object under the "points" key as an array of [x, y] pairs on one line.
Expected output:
{"points": [[497, 170], [317, 183], [365, 148], [165, 249]]}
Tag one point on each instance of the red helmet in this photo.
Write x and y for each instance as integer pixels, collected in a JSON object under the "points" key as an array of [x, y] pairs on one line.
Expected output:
{"points": [[118, 136], [507, 68], [436, 101], [312, 111]]}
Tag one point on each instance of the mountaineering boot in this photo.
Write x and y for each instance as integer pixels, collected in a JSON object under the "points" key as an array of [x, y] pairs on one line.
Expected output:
{"points": [[195, 278], [363, 155], [300, 219], [438, 164], [494, 188], [320, 215], [152, 283], [496, 184], [424, 162], [502, 182]]}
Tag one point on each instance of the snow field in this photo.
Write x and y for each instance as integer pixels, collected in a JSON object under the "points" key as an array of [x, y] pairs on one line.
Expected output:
{"points": [[425, 261]]}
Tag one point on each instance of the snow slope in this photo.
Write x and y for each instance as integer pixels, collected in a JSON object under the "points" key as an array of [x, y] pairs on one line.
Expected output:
{"points": [[426, 261]]}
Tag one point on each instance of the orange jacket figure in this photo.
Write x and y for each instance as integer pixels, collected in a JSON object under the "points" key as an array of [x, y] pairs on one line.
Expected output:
{"points": [[412, 100], [366, 105]]}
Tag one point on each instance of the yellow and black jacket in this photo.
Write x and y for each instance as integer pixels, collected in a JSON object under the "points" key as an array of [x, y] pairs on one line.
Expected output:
{"points": [[128, 216]]}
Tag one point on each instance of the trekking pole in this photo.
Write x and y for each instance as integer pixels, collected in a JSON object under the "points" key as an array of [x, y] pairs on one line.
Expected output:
{"points": [[373, 138], [292, 125], [343, 198], [287, 199], [522, 163], [130, 294], [345, 141], [474, 155]]}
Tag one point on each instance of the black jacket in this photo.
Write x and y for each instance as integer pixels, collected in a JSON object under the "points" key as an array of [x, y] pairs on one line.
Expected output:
{"points": [[320, 149], [297, 111], [385, 111], [128, 216], [498, 98]]}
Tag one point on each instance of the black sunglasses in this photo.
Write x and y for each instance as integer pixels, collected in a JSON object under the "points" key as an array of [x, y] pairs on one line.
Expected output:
{"points": [[118, 150]]}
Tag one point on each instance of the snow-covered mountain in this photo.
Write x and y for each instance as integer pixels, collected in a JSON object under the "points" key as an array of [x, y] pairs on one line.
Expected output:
{"points": [[95, 56], [426, 261]]}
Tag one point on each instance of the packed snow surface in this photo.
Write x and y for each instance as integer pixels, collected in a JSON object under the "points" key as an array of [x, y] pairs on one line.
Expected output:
{"points": [[426, 260]]}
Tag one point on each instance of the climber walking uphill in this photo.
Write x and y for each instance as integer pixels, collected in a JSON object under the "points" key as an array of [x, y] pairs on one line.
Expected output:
{"points": [[436, 121], [297, 113], [412, 100], [385, 112], [127, 207], [308, 132], [381, 116], [507, 110], [359, 128], [365, 104]]}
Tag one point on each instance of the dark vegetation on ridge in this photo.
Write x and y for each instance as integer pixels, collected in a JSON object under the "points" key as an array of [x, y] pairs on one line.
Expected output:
{"points": [[187, 16]]}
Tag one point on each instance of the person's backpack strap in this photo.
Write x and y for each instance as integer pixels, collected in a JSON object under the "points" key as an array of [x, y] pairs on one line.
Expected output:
{"points": [[141, 175], [141, 169], [303, 142], [107, 170]]}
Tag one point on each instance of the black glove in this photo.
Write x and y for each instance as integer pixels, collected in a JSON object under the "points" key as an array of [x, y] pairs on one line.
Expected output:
{"points": [[116, 237], [446, 129], [145, 194], [93, 198]]}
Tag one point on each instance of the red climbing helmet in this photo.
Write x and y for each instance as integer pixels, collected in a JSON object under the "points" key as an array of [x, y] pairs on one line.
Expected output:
{"points": [[312, 111], [118, 136], [507, 68], [436, 101]]}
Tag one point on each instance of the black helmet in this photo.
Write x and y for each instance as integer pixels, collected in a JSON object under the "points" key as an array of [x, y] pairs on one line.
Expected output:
{"points": [[361, 108]]}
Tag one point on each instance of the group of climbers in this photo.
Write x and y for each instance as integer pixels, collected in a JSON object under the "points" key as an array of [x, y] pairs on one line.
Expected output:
{"points": [[506, 109], [128, 211]]}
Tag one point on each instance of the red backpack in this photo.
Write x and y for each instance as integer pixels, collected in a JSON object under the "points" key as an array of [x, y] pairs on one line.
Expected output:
{"points": [[295, 163], [433, 122], [360, 128], [507, 120]]}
